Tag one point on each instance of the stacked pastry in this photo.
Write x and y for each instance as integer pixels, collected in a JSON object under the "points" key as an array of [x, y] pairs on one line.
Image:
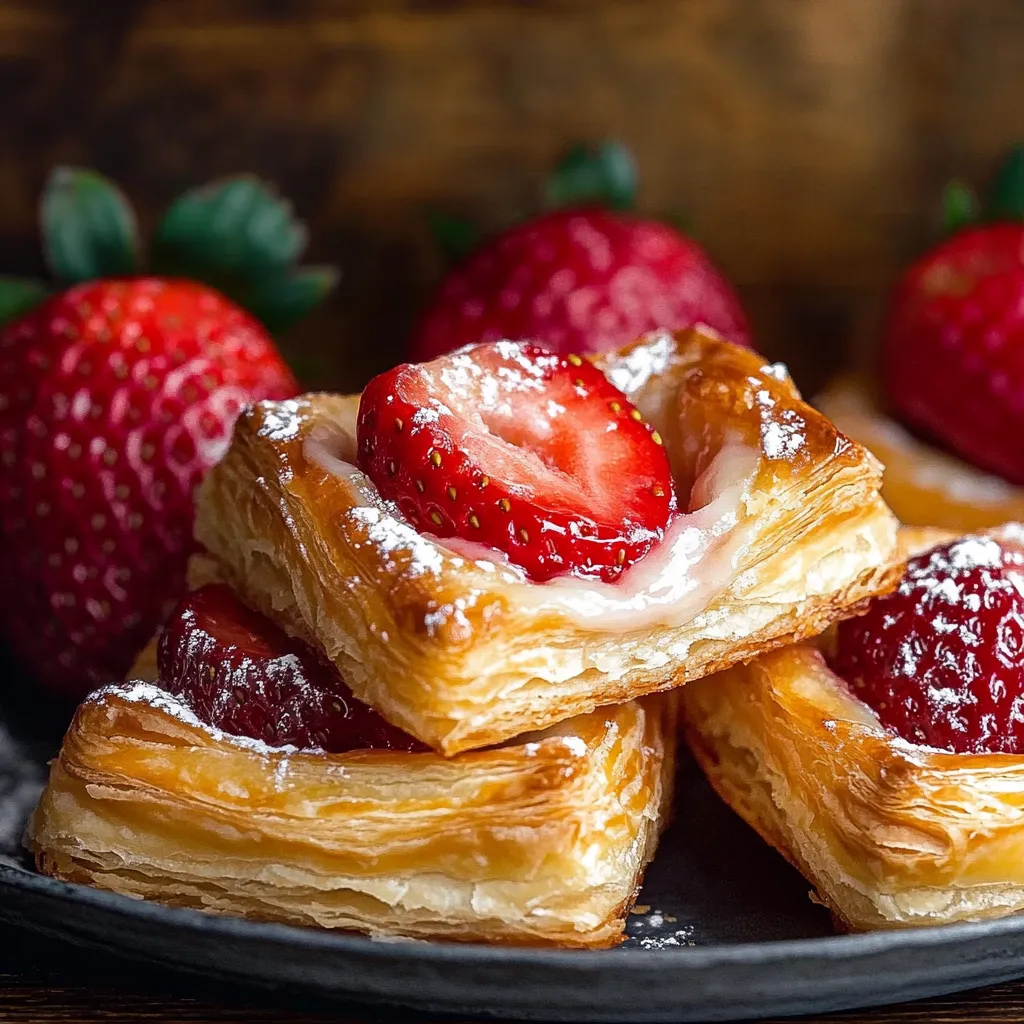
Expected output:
{"points": [[425, 682]]}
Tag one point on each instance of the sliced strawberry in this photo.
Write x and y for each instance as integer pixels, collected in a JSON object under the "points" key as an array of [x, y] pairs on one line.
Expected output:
{"points": [[241, 673], [535, 454]]}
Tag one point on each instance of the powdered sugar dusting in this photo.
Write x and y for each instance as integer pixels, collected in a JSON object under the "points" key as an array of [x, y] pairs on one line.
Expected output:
{"points": [[155, 696], [935, 582], [281, 420], [643, 362], [781, 440], [445, 615], [393, 534], [385, 526], [654, 929], [679, 937], [783, 431], [481, 390]]}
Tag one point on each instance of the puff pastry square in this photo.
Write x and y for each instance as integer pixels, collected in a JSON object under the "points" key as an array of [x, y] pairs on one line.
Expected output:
{"points": [[786, 533], [891, 834], [540, 842]]}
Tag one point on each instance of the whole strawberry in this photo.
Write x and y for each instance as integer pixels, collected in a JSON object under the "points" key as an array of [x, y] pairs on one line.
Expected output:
{"points": [[953, 356], [584, 278], [116, 395]]}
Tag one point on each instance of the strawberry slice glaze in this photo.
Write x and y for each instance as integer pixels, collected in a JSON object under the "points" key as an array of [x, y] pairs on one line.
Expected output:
{"points": [[941, 660], [535, 454], [241, 673]]}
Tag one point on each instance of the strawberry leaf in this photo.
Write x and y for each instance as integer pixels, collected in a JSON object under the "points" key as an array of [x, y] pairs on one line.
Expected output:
{"points": [[89, 229], [604, 176], [1006, 199], [18, 295], [278, 302], [455, 237], [959, 207], [230, 234]]}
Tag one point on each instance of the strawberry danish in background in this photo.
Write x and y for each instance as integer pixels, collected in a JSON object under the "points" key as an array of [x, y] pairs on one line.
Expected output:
{"points": [[478, 552], [887, 761], [946, 410]]}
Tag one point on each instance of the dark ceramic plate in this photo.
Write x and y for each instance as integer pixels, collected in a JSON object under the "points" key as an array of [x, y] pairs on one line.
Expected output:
{"points": [[723, 930]]}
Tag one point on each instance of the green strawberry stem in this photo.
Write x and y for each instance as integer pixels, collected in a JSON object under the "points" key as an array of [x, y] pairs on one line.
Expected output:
{"points": [[18, 295], [236, 235], [959, 207], [89, 228], [455, 237], [236, 231], [602, 176]]}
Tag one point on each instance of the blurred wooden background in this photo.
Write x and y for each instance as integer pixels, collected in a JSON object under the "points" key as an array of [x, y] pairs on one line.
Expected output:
{"points": [[806, 140]]}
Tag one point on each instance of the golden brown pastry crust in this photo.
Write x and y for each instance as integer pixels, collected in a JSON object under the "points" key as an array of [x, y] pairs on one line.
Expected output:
{"points": [[891, 834], [539, 842], [464, 654], [923, 485]]}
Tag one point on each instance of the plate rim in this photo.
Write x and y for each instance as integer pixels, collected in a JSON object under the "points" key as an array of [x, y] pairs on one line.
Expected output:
{"points": [[839, 946]]}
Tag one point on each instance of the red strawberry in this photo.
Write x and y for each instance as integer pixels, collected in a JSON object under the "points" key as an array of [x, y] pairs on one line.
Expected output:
{"points": [[953, 358], [241, 673], [954, 347], [582, 280], [116, 397], [941, 660], [535, 454]]}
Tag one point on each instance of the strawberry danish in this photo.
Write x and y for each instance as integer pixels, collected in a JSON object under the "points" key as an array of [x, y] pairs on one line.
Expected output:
{"points": [[887, 761], [503, 538]]}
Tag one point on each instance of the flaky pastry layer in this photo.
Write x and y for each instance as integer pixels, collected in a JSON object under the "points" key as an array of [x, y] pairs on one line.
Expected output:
{"points": [[460, 650], [923, 485], [891, 834], [539, 842]]}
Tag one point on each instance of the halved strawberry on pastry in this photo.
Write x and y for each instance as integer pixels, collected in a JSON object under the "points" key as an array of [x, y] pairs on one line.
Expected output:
{"points": [[505, 538], [245, 778], [887, 763]]}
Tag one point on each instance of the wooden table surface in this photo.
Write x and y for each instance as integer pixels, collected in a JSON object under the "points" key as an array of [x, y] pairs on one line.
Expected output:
{"points": [[42, 983]]}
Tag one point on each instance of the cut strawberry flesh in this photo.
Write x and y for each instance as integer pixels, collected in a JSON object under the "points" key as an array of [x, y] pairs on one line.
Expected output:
{"points": [[535, 454], [941, 660], [241, 673]]}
